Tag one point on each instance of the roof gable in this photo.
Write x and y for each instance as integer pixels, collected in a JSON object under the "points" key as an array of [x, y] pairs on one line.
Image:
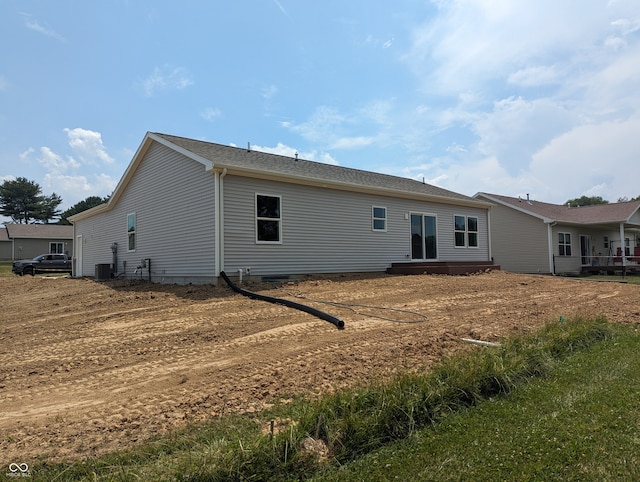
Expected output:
{"points": [[246, 162], [596, 214]]}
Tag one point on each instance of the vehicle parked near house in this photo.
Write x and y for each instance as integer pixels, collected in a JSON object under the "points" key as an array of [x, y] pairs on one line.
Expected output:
{"points": [[45, 263]]}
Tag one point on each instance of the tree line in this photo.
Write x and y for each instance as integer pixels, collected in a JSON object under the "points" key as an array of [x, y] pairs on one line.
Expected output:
{"points": [[23, 201]]}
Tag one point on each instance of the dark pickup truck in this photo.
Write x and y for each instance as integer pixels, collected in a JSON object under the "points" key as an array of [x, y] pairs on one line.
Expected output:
{"points": [[45, 263]]}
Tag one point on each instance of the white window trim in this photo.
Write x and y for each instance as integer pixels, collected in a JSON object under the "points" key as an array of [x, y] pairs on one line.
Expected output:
{"points": [[255, 212], [374, 219], [477, 231], [455, 231], [570, 244], [57, 244]]}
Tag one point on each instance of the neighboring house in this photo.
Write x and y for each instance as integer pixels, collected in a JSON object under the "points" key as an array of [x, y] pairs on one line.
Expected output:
{"points": [[26, 241], [529, 236], [185, 210], [5, 244]]}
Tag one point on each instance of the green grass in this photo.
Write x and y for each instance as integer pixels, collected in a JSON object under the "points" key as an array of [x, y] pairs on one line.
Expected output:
{"points": [[5, 268], [580, 422], [478, 416], [630, 278]]}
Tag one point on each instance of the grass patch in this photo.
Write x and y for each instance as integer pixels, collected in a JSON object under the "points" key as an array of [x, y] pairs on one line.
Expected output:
{"points": [[5, 268], [346, 426], [633, 278], [578, 423]]}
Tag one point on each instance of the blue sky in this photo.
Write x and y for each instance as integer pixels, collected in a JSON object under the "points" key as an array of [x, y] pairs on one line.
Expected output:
{"points": [[508, 97]]}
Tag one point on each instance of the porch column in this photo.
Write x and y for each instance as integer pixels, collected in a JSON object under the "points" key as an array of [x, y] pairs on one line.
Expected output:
{"points": [[550, 243], [624, 258]]}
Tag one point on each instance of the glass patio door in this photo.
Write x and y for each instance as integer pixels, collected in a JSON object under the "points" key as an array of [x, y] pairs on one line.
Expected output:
{"points": [[585, 248], [423, 237]]}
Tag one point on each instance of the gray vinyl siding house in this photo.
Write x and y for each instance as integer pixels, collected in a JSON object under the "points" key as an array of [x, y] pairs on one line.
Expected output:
{"points": [[529, 236], [26, 241], [198, 208]]}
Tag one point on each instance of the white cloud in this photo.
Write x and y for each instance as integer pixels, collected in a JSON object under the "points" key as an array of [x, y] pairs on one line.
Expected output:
{"points": [[165, 78], [351, 142], [535, 76], [517, 128], [600, 159], [269, 92], [88, 146], [210, 114], [288, 151], [33, 24], [55, 162]]}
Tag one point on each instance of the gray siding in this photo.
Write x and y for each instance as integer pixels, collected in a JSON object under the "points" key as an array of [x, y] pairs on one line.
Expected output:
{"points": [[567, 264], [173, 199], [30, 248], [329, 231], [519, 241], [5, 250]]}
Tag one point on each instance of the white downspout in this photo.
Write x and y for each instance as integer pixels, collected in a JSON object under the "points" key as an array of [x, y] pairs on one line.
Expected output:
{"points": [[219, 222], [550, 243], [489, 233]]}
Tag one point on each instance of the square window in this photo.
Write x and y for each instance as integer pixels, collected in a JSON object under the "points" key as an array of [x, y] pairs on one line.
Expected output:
{"points": [[268, 219]]}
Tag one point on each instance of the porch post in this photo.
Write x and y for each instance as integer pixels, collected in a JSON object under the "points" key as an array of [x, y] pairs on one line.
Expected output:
{"points": [[624, 258], [552, 267]]}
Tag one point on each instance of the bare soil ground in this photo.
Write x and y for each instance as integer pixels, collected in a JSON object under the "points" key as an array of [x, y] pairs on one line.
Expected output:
{"points": [[89, 367]]}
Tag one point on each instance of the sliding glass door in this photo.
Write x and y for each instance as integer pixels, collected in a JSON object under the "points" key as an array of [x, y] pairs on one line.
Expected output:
{"points": [[423, 237]]}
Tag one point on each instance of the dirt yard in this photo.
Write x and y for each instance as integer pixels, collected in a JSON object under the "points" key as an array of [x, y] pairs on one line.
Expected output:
{"points": [[88, 367]]}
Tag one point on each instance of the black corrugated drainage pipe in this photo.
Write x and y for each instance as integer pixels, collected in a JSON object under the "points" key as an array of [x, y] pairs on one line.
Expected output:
{"points": [[281, 301]]}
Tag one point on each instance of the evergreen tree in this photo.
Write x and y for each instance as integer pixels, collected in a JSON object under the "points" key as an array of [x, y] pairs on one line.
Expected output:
{"points": [[22, 200]]}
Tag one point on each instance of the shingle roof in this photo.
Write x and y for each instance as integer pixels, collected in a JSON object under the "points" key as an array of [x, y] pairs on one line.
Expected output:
{"points": [[4, 235], [40, 231], [256, 161], [596, 214]]}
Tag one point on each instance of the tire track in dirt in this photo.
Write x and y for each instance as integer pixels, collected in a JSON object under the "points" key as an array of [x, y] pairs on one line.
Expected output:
{"points": [[88, 367]]}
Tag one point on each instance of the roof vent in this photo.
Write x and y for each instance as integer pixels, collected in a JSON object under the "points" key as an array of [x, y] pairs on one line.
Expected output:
{"points": [[248, 146], [296, 155]]}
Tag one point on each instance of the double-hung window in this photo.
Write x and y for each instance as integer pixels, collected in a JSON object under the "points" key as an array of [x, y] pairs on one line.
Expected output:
{"points": [[268, 219], [56, 247], [564, 244], [131, 232], [472, 231], [465, 231], [379, 218], [459, 230]]}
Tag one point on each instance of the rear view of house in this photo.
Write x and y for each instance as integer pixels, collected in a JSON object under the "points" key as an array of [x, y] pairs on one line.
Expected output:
{"points": [[185, 210]]}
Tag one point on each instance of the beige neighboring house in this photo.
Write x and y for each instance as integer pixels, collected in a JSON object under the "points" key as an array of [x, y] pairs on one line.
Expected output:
{"points": [[26, 241], [529, 236], [5, 244]]}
